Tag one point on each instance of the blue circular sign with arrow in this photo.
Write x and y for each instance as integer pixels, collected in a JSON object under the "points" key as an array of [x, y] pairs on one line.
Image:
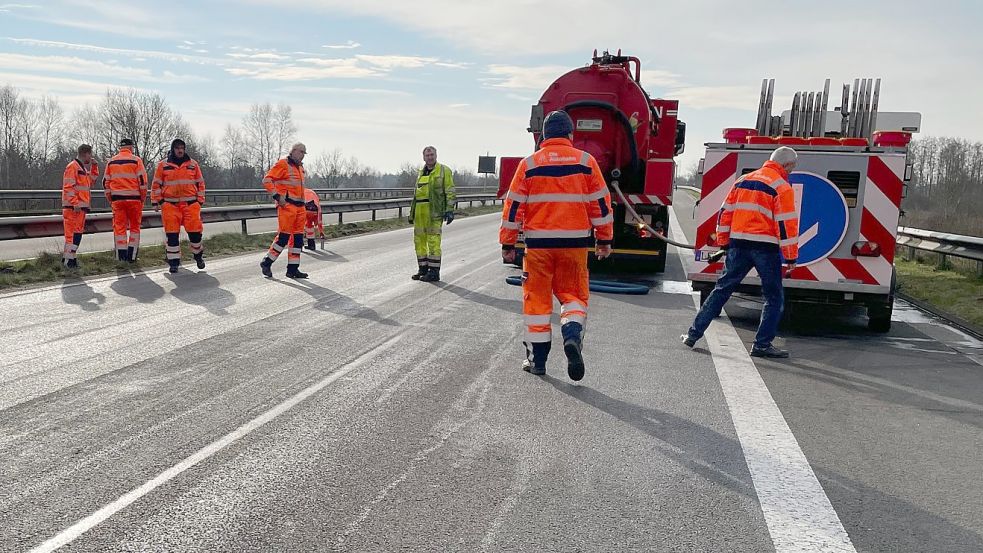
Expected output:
{"points": [[823, 216]]}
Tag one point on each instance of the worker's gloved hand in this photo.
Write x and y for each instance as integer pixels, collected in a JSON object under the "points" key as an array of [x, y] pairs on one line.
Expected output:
{"points": [[603, 251], [449, 217], [157, 208], [76, 208]]}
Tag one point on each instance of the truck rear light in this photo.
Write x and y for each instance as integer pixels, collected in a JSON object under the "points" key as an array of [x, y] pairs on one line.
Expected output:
{"points": [[866, 249]]}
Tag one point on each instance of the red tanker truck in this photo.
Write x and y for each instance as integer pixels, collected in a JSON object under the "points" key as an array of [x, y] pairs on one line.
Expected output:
{"points": [[633, 137]]}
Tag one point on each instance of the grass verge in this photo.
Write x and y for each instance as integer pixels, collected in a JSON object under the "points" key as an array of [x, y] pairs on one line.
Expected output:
{"points": [[953, 292], [47, 266]]}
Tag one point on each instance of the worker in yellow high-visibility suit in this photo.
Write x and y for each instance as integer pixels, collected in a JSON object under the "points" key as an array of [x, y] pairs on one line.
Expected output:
{"points": [[433, 204]]}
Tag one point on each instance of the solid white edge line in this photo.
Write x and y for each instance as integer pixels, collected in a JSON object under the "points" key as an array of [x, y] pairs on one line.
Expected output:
{"points": [[76, 530], [796, 509]]}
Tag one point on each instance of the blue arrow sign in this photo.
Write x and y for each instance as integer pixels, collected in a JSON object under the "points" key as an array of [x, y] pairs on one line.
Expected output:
{"points": [[823, 216]]}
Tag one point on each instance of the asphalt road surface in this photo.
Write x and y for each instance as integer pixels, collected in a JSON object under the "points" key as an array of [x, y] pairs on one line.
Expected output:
{"points": [[363, 411], [103, 241]]}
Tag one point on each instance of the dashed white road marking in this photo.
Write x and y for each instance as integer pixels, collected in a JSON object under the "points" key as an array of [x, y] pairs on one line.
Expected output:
{"points": [[796, 509], [76, 530]]}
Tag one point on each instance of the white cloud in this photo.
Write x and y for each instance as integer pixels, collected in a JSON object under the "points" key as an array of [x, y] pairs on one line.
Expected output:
{"points": [[315, 69], [105, 17], [63, 65], [523, 78], [710, 97], [128, 52], [259, 56], [348, 45], [302, 89], [396, 62]]}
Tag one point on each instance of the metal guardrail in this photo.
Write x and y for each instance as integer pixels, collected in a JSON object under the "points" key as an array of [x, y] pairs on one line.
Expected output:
{"points": [[53, 197], [42, 226], [942, 243]]}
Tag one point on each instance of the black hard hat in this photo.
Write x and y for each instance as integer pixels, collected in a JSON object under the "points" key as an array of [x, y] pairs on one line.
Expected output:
{"points": [[127, 142], [178, 142]]}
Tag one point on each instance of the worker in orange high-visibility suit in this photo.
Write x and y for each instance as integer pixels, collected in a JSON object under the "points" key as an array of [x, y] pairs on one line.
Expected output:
{"points": [[560, 196], [178, 192], [126, 190], [285, 181], [76, 201], [315, 221], [759, 228]]}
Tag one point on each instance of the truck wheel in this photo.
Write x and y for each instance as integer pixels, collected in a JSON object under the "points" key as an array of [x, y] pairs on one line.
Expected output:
{"points": [[879, 318], [704, 294]]}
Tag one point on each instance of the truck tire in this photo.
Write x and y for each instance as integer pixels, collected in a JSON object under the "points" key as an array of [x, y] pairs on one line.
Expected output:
{"points": [[879, 315], [704, 294], [879, 319]]}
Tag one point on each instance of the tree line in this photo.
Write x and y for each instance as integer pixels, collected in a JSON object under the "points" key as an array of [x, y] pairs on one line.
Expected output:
{"points": [[38, 138]]}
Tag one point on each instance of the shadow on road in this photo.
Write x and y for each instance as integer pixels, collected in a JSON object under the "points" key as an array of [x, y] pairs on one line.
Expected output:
{"points": [[334, 302], [326, 255], [884, 523], [201, 289], [138, 286], [686, 442], [509, 306], [77, 292]]}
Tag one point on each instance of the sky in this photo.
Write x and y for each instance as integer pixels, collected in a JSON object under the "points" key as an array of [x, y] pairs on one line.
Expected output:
{"points": [[380, 80]]}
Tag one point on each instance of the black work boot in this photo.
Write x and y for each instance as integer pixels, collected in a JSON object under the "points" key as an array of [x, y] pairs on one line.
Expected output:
{"points": [[310, 244], [293, 271], [131, 255], [72, 264], [175, 264], [200, 260], [121, 256], [573, 346], [433, 275], [770, 352], [266, 265], [536, 356], [421, 273]]}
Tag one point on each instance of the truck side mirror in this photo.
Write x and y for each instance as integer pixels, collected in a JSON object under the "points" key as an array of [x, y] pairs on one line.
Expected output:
{"points": [[680, 137]]}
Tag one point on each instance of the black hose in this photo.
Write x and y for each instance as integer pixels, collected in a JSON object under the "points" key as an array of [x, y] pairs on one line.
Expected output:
{"points": [[601, 286]]}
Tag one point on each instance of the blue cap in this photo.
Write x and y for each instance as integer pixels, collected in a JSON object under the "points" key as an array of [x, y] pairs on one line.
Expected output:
{"points": [[557, 125]]}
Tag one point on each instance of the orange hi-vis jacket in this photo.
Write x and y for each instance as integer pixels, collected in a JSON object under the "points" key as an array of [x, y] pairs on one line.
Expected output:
{"points": [[312, 203], [286, 180], [126, 177], [761, 208], [178, 182], [76, 185], [556, 197]]}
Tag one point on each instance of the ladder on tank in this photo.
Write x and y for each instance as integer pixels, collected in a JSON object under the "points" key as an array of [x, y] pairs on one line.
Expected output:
{"points": [[807, 119]]}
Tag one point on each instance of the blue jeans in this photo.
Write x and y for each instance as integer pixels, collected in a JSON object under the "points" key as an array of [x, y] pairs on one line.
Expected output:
{"points": [[740, 261]]}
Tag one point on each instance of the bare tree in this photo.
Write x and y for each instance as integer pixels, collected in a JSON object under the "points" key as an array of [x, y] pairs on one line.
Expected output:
{"points": [[268, 132]]}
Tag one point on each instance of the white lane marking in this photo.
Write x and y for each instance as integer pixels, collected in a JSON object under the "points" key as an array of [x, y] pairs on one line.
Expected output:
{"points": [[76, 530], [796, 509]]}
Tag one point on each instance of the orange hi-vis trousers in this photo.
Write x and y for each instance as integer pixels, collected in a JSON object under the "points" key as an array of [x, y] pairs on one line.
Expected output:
{"points": [[181, 214], [127, 217], [559, 272], [74, 227], [291, 219]]}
